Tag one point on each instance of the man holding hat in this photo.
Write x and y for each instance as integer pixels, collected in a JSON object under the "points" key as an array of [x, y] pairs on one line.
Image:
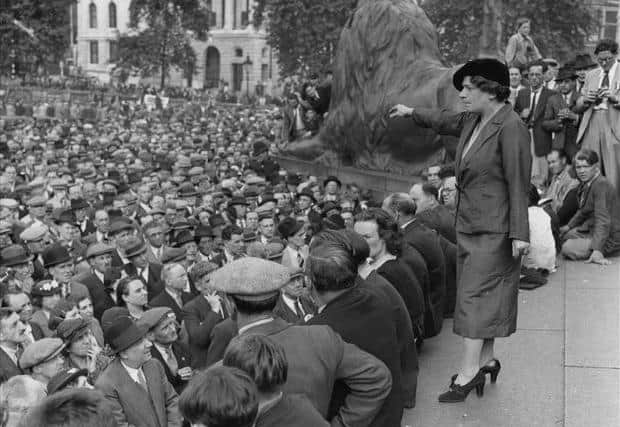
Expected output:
{"points": [[43, 359], [204, 312], [317, 356], [559, 115], [162, 327], [134, 383]]}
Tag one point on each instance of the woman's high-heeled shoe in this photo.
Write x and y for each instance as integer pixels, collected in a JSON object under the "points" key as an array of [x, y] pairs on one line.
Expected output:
{"points": [[492, 369], [458, 393]]}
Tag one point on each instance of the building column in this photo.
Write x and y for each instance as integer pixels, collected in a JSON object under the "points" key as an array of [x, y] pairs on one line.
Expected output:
{"points": [[229, 12]]}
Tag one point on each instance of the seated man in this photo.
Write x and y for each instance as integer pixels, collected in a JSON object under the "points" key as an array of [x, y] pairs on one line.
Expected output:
{"points": [[431, 213], [561, 180], [594, 232]]}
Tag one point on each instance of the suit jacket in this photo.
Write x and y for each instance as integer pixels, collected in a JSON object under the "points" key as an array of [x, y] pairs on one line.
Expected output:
{"points": [[284, 312], [564, 132], [8, 368], [220, 337], [317, 358], [134, 406], [366, 320], [165, 300], [99, 295], [427, 242], [542, 138], [199, 323], [441, 219], [494, 176], [593, 78], [599, 215], [289, 130], [183, 359]]}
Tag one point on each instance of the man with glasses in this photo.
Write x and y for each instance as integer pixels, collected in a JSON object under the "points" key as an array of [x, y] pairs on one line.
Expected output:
{"points": [[599, 129]]}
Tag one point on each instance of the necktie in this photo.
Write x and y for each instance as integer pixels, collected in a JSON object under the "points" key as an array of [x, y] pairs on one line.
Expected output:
{"points": [[300, 260], [172, 362], [299, 311], [605, 82], [533, 108], [142, 381]]}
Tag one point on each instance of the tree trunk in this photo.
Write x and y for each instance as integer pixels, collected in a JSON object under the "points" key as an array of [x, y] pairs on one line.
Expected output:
{"points": [[490, 40]]}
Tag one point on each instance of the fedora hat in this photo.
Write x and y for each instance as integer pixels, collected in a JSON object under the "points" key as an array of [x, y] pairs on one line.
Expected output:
{"points": [[79, 204], [583, 61], [14, 255], [306, 192], [55, 254], [332, 178], [566, 73], [136, 246], [123, 333]]}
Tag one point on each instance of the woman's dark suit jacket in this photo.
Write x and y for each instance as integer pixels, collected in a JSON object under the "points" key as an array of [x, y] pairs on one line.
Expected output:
{"points": [[494, 176]]}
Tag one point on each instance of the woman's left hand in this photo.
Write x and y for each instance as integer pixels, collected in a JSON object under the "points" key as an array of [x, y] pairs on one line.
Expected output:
{"points": [[519, 247]]}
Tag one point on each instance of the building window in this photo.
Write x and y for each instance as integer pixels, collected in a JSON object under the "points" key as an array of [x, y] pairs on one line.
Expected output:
{"points": [[113, 51], [239, 52], [94, 52], [610, 24], [112, 14], [92, 15], [264, 52], [245, 18], [264, 72]]}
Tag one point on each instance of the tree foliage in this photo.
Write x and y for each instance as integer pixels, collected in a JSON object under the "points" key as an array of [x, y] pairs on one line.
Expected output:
{"points": [[305, 33], [50, 21], [469, 27], [161, 36]]}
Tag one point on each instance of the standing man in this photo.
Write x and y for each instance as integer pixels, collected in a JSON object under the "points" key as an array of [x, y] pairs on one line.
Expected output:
{"points": [[167, 349], [599, 129], [515, 83], [174, 295], [12, 340], [134, 383], [530, 105], [560, 117]]}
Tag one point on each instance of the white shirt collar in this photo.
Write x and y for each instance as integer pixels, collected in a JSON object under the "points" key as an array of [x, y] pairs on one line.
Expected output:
{"points": [[99, 275], [133, 372], [11, 352], [290, 302], [163, 350]]}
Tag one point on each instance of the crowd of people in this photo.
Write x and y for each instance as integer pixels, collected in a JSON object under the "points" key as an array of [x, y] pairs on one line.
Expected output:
{"points": [[160, 268]]}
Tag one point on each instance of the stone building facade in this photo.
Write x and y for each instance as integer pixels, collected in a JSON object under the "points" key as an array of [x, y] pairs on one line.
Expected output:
{"points": [[235, 53]]}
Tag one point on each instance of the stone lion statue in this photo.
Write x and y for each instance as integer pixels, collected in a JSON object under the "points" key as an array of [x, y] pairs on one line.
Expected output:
{"points": [[387, 54]]}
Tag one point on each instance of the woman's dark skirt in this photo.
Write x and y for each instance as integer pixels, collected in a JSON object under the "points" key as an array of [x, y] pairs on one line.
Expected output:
{"points": [[488, 286]]}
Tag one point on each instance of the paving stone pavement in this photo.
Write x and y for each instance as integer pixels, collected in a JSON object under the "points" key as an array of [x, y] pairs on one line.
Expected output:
{"points": [[561, 367]]}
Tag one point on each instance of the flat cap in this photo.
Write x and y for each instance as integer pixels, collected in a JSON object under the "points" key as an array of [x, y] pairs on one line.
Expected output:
{"points": [[255, 180], [120, 225], [250, 278], [41, 351], [70, 329], [97, 249], [6, 227], [33, 233], [58, 183], [151, 318], [196, 171]]}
